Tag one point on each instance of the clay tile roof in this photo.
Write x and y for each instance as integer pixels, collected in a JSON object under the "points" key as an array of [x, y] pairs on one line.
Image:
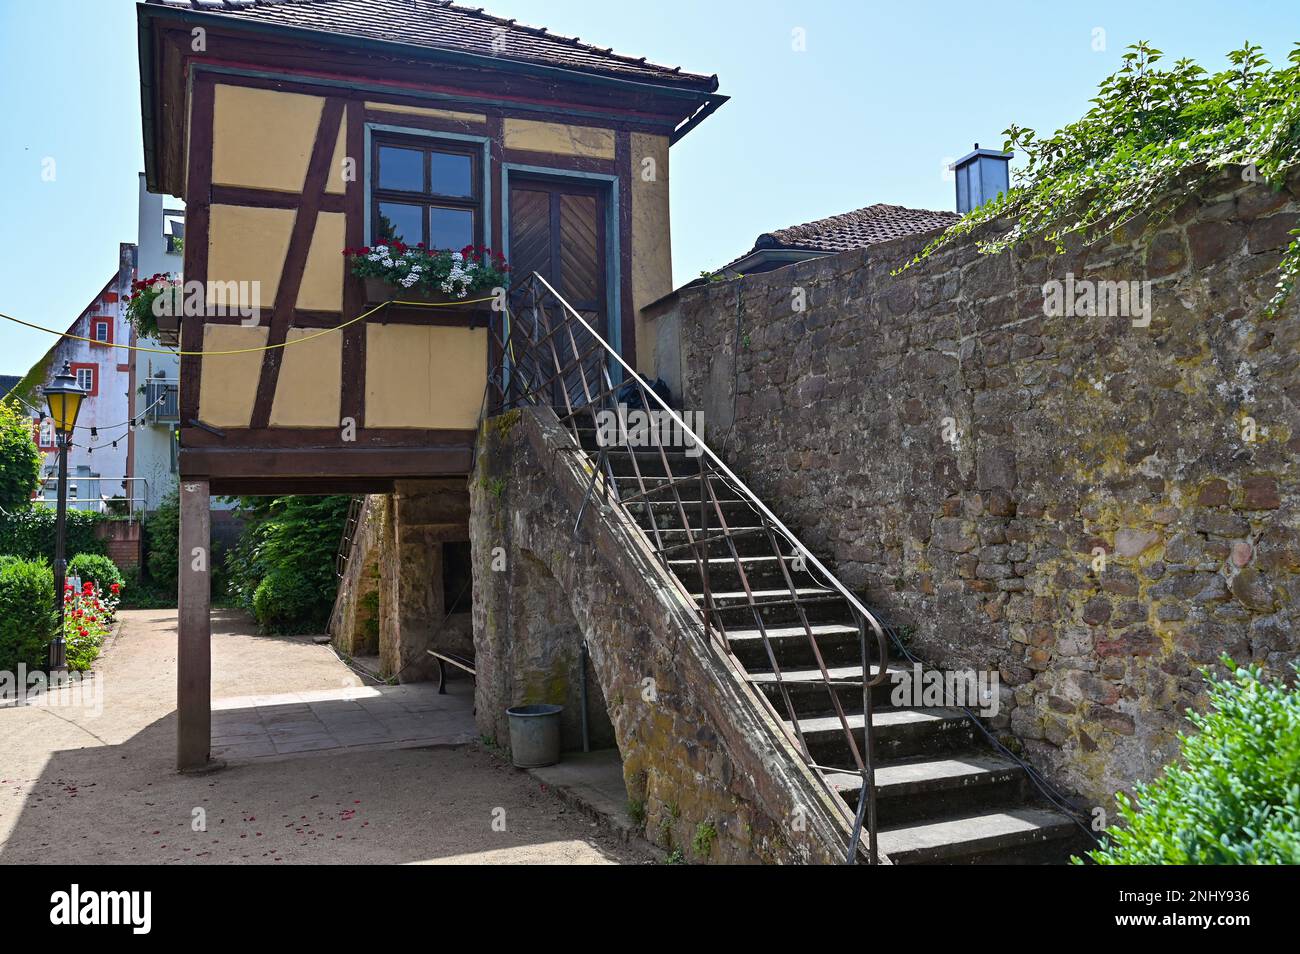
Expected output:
{"points": [[857, 229], [443, 24]]}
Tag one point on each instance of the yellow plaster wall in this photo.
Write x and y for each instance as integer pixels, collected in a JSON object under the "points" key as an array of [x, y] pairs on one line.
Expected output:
{"points": [[402, 108], [334, 181], [652, 261], [424, 376], [228, 384], [247, 244], [559, 138], [308, 392], [262, 138], [322, 279]]}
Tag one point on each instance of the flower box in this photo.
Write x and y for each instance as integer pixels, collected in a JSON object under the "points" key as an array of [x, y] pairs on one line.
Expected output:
{"points": [[379, 291], [434, 281], [169, 330]]}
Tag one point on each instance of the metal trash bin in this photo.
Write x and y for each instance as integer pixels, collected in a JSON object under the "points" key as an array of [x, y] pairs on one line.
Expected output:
{"points": [[534, 735]]}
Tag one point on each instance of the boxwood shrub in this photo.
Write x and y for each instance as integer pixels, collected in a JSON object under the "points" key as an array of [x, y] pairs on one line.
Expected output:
{"points": [[1233, 798], [99, 569]]}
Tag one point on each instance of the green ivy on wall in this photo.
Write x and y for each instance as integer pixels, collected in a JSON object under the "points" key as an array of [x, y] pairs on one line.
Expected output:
{"points": [[1149, 129]]}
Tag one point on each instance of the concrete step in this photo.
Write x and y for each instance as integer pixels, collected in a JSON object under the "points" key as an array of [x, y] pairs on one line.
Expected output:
{"points": [[809, 693], [899, 733], [924, 787], [591, 439], [978, 838], [775, 606], [651, 463], [749, 540], [837, 642], [662, 488], [667, 514]]}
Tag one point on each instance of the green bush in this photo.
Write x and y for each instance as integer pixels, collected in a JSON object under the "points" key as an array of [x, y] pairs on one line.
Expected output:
{"points": [[99, 569], [27, 617], [162, 542], [1234, 797], [287, 602], [20, 458], [283, 567], [29, 533]]}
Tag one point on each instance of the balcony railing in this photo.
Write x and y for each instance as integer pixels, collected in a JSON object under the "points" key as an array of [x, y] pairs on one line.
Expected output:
{"points": [[86, 493], [162, 400]]}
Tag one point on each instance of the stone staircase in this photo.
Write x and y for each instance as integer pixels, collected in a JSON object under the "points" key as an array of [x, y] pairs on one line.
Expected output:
{"points": [[943, 794]]}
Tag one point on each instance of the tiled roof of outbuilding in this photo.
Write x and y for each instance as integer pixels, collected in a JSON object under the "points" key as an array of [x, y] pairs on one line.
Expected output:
{"points": [[857, 229], [443, 24]]}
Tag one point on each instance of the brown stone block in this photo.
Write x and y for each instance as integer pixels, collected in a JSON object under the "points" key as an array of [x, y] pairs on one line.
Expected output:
{"points": [[1212, 241], [1259, 493], [1272, 233], [1214, 493]]}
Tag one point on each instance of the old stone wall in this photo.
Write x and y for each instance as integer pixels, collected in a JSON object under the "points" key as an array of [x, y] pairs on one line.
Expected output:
{"points": [[354, 620], [392, 600], [707, 770], [965, 459]]}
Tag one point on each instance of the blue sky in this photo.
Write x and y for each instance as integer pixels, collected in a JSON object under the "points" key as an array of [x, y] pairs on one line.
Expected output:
{"points": [[883, 95]]}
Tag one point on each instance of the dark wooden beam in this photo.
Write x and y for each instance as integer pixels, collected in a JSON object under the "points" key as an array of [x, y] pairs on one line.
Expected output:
{"points": [[270, 198], [295, 259], [196, 249], [311, 486], [324, 438], [357, 462], [353, 397]]}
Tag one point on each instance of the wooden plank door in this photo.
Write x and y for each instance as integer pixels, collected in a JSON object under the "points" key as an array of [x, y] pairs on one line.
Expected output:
{"points": [[557, 229]]}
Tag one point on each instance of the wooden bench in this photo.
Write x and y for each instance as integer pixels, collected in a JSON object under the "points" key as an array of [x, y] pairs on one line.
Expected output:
{"points": [[444, 659]]}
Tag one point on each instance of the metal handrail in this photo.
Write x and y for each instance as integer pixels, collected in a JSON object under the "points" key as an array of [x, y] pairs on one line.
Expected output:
{"points": [[538, 385]]}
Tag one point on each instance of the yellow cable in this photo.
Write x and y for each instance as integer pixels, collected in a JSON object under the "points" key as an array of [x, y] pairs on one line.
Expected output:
{"points": [[283, 344]]}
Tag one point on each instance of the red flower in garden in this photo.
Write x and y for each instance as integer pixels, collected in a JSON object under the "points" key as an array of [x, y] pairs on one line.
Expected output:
{"points": [[116, 587], [82, 632]]}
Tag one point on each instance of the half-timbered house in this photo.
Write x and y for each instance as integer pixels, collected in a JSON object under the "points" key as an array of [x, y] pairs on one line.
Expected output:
{"points": [[295, 130]]}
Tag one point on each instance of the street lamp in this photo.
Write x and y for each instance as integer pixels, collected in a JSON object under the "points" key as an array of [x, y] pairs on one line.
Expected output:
{"points": [[64, 397]]}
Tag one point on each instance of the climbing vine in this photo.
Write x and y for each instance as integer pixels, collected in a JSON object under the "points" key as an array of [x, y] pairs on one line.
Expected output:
{"points": [[1149, 129]]}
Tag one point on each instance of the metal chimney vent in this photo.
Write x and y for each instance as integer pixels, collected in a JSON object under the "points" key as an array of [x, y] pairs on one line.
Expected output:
{"points": [[981, 175]]}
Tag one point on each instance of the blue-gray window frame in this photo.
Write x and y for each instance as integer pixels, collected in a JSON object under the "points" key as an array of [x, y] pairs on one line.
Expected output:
{"points": [[485, 169]]}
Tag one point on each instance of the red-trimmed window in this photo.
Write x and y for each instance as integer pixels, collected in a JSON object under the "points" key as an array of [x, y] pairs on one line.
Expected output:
{"points": [[87, 377], [44, 433], [101, 330]]}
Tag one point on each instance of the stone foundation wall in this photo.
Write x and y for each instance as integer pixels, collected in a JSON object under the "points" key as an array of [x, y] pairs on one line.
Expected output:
{"points": [[699, 754], [964, 458], [392, 600]]}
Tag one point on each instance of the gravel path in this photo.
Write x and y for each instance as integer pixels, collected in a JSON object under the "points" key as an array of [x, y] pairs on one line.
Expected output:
{"points": [[81, 787]]}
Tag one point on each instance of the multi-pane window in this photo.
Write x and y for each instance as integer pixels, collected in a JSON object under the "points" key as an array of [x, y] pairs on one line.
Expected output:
{"points": [[101, 331], [86, 379], [424, 191]]}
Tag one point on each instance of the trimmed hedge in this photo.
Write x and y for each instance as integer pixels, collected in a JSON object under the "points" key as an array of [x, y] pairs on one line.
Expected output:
{"points": [[27, 617], [99, 569], [29, 533]]}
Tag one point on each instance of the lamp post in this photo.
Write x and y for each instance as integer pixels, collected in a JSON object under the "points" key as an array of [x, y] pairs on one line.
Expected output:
{"points": [[64, 397]]}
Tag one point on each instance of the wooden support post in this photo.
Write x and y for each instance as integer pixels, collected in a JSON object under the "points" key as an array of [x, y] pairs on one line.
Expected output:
{"points": [[194, 629]]}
